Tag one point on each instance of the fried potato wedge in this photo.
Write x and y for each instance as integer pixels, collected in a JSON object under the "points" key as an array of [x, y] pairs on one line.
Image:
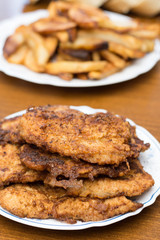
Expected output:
{"points": [[145, 30], [62, 36], [91, 17], [38, 46], [126, 40], [89, 44], [75, 54], [12, 43], [86, 16], [113, 58], [107, 71], [66, 35], [35, 42], [50, 25], [51, 44], [18, 56], [124, 52], [30, 62], [58, 8], [57, 68]]}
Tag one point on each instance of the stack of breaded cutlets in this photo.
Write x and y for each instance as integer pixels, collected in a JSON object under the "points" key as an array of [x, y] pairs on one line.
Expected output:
{"points": [[60, 163]]}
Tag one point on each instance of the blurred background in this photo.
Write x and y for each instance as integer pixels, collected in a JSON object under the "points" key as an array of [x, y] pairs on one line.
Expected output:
{"points": [[143, 8]]}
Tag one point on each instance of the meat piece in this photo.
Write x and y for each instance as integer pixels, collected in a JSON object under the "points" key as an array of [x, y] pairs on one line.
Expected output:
{"points": [[101, 138], [13, 171], [134, 183], [57, 165], [9, 132], [42, 202], [11, 168]]}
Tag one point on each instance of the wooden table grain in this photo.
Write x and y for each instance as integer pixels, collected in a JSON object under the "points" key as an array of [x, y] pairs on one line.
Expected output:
{"points": [[138, 99]]}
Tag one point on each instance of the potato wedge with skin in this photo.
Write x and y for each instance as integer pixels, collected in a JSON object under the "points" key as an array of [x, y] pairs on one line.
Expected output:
{"points": [[18, 56], [30, 62], [89, 44], [59, 8], [50, 25], [75, 54], [126, 40], [68, 35], [124, 52], [12, 43], [51, 44], [37, 43], [120, 27], [67, 57], [108, 70], [86, 16], [90, 17], [113, 58], [62, 36], [57, 68], [62, 56], [145, 30]]}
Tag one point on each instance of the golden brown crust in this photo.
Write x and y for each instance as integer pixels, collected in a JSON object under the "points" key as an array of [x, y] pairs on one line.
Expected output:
{"points": [[9, 131], [101, 138], [11, 168], [134, 183], [38, 201], [37, 159]]}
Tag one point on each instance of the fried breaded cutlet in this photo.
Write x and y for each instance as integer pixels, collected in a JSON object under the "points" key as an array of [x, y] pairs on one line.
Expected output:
{"points": [[43, 202], [9, 131], [102, 138], [134, 183], [57, 165], [11, 168]]}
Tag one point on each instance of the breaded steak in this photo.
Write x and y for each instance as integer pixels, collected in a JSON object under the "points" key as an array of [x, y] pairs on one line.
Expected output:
{"points": [[11, 168], [42, 202], [40, 160], [9, 131], [134, 183], [101, 138]]}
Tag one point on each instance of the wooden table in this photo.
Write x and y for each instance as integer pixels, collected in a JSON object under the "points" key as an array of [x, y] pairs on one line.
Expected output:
{"points": [[137, 99]]}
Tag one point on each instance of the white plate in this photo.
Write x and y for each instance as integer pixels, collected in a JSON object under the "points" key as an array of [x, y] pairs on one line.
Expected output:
{"points": [[7, 27], [150, 162]]}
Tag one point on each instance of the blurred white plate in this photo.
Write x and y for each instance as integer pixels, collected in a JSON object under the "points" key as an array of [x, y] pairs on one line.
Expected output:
{"points": [[150, 161], [7, 27]]}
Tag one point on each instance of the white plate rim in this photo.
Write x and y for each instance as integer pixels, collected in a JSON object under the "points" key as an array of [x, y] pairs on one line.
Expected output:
{"points": [[137, 68], [85, 225]]}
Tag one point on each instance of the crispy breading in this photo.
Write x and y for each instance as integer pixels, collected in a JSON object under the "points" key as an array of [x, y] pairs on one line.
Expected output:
{"points": [[64, 172], [134, 183], [102, 138], [9, 131], [57, 165], [42, 202], [11, 168]]}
